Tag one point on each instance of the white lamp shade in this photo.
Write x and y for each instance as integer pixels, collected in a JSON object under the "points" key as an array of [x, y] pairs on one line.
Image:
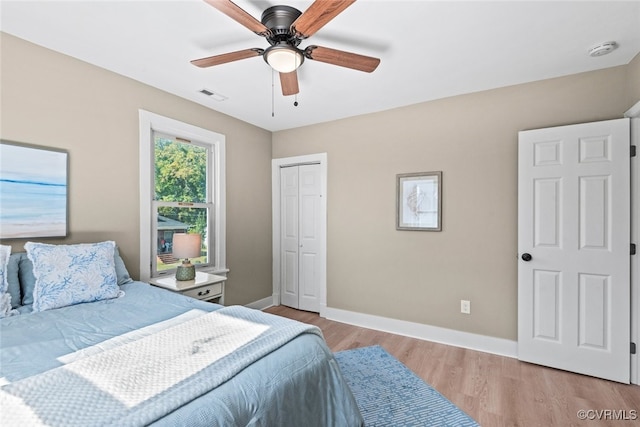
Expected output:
{"points": [[186, 245], [283, 59]]}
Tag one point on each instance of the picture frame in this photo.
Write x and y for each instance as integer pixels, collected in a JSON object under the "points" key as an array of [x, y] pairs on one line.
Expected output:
{"points": [[33, 191], [419, 201]]}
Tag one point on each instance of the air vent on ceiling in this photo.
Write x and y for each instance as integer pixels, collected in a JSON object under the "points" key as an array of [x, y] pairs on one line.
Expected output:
{"points": [[214, 95]]}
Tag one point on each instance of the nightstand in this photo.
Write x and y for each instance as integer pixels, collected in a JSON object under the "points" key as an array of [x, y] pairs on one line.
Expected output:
{"points": [[205, 286]]}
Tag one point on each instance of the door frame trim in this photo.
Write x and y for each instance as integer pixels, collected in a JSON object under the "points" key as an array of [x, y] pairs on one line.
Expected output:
{"points": [[276, 165], [634, 114]]}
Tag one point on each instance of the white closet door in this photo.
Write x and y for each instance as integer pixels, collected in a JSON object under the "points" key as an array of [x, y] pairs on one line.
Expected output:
{"points": [[574, 248], [289, 236], [309, 238], [300, 226]]}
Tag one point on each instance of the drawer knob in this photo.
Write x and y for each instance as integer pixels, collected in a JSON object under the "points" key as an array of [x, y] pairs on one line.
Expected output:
{"points": [[202, 293]]}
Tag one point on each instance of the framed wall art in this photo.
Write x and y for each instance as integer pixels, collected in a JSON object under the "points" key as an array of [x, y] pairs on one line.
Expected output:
{"points": [[419, 201], [33, 191]]}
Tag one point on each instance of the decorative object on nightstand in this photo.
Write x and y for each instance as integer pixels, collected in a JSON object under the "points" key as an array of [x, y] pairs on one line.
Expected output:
{"points": [[186, 246]]}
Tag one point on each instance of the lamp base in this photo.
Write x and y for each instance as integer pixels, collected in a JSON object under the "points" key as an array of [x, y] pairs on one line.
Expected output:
{"points": [[186, 271]]}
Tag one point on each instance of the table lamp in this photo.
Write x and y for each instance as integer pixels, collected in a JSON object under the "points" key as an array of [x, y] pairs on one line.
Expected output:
{"points": [[186, 246]]}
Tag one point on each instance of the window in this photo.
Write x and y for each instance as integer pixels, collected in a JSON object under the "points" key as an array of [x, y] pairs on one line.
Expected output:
{"points": [[181, 190], [182, 202]]}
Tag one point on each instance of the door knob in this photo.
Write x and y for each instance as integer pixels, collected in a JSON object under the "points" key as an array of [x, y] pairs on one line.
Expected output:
{"points": [[526, 257]]}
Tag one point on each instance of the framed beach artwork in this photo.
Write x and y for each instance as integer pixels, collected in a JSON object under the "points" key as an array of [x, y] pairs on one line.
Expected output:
{"points": [[33, 191], [419, 201]]}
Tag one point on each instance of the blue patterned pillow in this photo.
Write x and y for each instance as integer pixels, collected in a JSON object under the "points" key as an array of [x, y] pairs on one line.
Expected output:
{"points": [[72, 274]]}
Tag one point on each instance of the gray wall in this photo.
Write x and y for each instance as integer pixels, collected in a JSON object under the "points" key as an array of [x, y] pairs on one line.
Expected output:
{"points": [[422, 276], [633, 81], [54, 100]]}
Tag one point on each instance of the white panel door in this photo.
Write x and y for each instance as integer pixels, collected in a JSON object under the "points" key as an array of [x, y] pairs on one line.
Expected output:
{"points": [[574, 248], [309, 242], [289, 236], [300, 260]]}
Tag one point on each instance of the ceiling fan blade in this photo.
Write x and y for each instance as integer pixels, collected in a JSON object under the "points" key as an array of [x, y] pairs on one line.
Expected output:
{"points": [[227, 57], [342, 58], [289, 83], [238, 14], [317, 16]]}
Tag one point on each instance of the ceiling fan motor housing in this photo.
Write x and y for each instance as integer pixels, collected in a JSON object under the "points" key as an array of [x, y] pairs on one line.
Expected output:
{"points": [[278, 20]]}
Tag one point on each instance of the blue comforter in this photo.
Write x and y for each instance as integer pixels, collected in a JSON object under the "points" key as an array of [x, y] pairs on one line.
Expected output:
{"points": [[296, 384]]}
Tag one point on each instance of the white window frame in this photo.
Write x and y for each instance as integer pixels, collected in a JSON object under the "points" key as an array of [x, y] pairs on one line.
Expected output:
{"points": [[150, 122]]}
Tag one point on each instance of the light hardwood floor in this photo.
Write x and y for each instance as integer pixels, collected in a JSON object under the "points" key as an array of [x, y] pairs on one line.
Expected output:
{"points": [[494, 390]]}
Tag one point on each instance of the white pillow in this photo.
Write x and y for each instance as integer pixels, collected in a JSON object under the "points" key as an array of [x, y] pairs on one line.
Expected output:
{"points": [[5, 296], [72, 274]]}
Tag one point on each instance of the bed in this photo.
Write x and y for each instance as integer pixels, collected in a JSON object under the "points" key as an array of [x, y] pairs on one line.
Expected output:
{"points": [[148, 356]]}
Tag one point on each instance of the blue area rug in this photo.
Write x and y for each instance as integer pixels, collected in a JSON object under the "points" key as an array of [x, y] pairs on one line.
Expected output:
{"points": [[389, 394]]}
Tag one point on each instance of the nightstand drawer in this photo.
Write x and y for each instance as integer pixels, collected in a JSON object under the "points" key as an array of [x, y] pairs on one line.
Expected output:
{"points": [[206, 287], [205, 292]]}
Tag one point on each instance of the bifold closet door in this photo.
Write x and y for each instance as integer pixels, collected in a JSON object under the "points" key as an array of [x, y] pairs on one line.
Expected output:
{"points": [[300, 229]]}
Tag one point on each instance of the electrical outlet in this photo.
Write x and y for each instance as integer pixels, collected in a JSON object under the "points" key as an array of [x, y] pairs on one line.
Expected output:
{"points": [[465, 306]]}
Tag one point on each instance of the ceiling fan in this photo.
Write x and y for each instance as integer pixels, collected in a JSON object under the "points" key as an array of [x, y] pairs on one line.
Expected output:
{"points": [[285, 27]]}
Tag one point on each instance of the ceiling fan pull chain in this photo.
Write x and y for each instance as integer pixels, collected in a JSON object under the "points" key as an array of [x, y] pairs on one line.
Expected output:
{"points": [[273, 103]]}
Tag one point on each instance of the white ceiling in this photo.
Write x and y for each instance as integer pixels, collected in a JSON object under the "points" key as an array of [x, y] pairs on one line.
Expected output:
{"points": [[428, 49]]}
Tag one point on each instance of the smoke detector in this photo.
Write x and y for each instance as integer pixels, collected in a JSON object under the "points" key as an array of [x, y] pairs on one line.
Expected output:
{"points": [[603, 48]]}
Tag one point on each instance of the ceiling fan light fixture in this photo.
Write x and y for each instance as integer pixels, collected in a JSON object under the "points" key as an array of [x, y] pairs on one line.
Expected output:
{"points": [[283, 58]]}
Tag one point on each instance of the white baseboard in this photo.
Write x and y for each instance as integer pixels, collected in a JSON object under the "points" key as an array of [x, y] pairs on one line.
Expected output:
{"points": [[499, 346], [261, 304]]}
